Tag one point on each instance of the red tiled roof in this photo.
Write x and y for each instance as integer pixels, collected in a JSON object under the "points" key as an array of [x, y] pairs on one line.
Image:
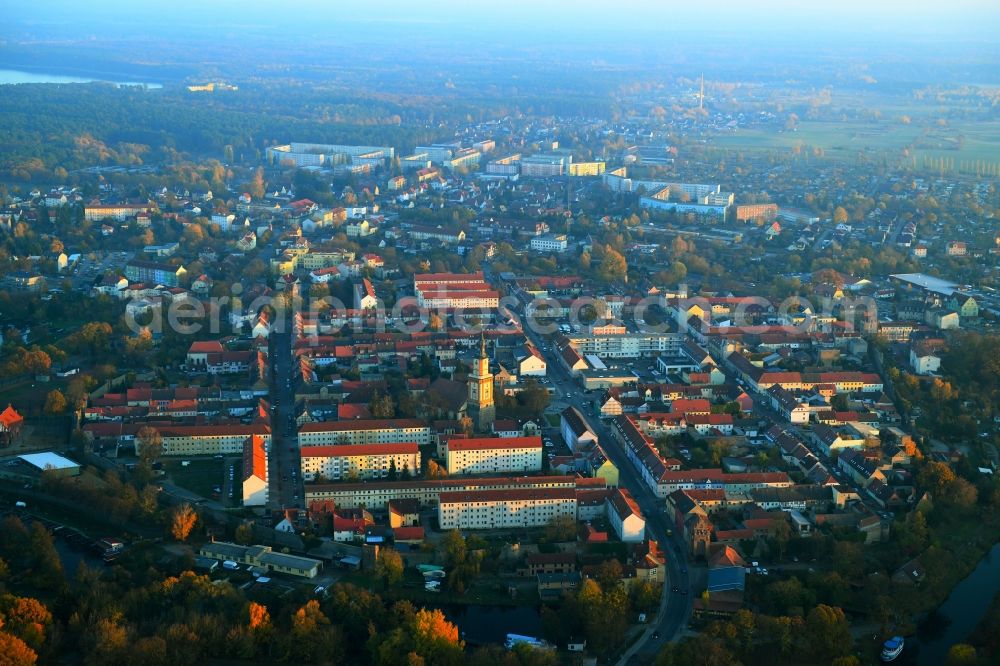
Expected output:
{"points": [[400, 448], [10, 417], [508, 495], [362, 424], [255, 458], [488, 443], [414, 533]]}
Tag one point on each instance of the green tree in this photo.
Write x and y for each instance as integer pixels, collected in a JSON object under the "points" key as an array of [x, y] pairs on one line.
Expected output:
{"points": [[828, 632], [613, 268], [244, 534], [962, 654], [453, 549], [389, 567], [55, 402]]}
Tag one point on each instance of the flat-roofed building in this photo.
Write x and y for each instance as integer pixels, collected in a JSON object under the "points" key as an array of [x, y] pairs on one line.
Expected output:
{"points": [[262, 556], [500, 509], [756, 212], [493, 455]]}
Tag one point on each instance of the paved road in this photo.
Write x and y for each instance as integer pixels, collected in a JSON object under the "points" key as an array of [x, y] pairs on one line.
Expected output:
{"points": [[675, 607], [284, 464]]}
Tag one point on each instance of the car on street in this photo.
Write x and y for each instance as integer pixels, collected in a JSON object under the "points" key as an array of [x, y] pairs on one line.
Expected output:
{"points": [[675, 589], [656, 635]]}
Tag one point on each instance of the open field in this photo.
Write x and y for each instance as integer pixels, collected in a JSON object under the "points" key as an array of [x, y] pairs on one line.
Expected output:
{"points": [[961, 142]]}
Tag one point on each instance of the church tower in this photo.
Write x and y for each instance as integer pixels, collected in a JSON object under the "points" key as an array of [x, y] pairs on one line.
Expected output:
{"points": [[481, 408]]}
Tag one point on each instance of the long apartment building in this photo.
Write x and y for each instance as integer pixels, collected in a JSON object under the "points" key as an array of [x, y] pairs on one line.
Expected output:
{"points": [[691, 479], [152, 272], [326, 154], [365, 431], [378, 494], [360, 461], [118, 212], [499, 509], [845, 381], [627, 345], [454, 290], [195, 440], [494, 455]]}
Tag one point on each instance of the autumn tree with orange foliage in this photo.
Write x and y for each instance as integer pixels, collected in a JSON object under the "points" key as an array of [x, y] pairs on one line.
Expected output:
{"points": [[183, 521]]}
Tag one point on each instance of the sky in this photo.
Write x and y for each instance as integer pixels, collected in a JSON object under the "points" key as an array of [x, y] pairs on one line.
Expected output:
{"points": [[561, 19]]}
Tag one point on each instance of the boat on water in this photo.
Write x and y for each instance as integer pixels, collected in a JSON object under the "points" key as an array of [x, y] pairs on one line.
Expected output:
{"points": [[892, 648], [513, 640]]}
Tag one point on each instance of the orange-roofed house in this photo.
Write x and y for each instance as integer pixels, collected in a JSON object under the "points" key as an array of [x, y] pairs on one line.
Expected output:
{"points": [[10, 426]]}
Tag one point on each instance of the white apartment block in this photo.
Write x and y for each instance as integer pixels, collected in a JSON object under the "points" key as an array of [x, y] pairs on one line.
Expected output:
{"points": [[491, 455], [549, 243], [361, 461], [625, 517], [628, 345], [499, 509], [365, 431]]}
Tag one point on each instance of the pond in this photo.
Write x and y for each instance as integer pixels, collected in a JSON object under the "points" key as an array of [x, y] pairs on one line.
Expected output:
{"points": [[479, 625], [11, 76]]}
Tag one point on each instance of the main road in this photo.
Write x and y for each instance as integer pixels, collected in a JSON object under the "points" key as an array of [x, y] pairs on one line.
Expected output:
{"points": [[284, 478], [675, 607]]}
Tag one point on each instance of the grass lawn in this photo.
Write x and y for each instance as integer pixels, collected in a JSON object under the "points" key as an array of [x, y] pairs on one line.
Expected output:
{"points": [[553, 420], [198, 477]]}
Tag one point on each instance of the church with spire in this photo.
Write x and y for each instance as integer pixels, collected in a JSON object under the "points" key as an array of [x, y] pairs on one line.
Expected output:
{"points": [[481, 409]]}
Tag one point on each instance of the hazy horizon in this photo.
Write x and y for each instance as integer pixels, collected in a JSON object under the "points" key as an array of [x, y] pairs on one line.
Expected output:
{"points": [[970, 19]]}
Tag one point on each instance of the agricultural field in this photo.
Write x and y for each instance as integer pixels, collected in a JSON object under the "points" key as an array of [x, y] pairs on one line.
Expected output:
{"points": [[964, 143]]}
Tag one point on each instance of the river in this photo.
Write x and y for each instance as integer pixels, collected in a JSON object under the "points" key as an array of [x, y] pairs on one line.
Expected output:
{"points": [[958, 616], [13, 76]]}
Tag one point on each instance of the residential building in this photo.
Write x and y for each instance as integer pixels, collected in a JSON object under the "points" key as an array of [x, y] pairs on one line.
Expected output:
{"points": [[378, 494], [117, 212], [504, 509], [365, 431], [486, 455], [154, 273], [192, 440], [549, 243], [575, 430], [756, 212], [625, 517], [360, 461], [255, 484]]}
